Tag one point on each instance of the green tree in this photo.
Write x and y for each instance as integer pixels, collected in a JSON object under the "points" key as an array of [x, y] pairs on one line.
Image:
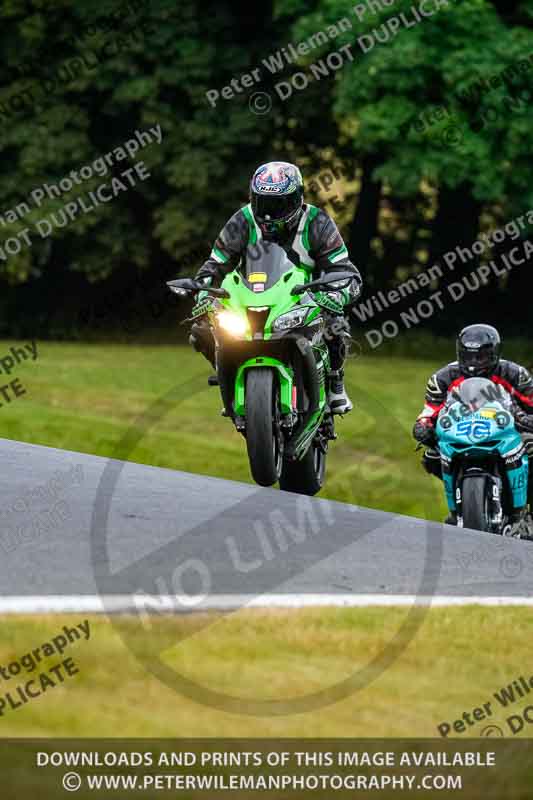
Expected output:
{"points": [[154, 66], [420, 131]]}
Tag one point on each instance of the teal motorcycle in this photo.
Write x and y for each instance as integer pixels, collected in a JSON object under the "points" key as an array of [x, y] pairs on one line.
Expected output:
{"points": [[272, 361], [484, 463]]}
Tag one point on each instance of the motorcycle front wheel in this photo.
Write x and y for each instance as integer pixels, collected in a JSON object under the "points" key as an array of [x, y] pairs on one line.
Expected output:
{"points": [[475, 501], [264, 440]]}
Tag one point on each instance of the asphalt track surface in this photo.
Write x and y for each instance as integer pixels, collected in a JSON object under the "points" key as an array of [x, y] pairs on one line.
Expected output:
{"points": [[77, 525]]}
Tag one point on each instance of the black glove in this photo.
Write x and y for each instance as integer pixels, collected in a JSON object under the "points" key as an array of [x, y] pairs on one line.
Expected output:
{"points": [[207, 280], [523, 421], [424, 432]]}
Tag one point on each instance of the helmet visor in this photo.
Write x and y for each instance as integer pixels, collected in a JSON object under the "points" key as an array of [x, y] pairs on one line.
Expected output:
{"points": [[476, 362], [275, 208]]}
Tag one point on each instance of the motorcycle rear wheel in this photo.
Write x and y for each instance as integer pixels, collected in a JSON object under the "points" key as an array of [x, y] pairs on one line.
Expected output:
{"points": [[305, 476]]}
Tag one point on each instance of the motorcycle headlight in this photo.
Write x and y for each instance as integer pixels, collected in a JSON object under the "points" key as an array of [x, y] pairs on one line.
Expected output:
{"points": [[232, 323], [503, 419], [290, 320], [445, 422]]}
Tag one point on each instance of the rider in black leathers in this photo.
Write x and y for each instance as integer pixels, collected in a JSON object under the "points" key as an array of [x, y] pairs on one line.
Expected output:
{"points": [[277, 213], [478, 355]]}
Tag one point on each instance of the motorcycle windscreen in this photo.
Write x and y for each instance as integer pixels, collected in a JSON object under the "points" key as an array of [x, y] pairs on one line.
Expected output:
{"points": [[474, 393], [264, 264]]}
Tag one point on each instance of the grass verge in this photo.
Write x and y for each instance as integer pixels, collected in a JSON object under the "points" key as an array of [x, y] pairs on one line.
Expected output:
{"points": [[85, 397], [458, 659]]}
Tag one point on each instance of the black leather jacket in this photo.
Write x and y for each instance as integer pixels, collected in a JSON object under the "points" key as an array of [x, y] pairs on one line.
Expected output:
{"points": [[325, 243], [513, 377]]}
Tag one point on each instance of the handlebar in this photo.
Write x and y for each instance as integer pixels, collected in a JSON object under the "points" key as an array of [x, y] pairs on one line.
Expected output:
{"points": [[325, 282], [184, 287], [187, 286]]}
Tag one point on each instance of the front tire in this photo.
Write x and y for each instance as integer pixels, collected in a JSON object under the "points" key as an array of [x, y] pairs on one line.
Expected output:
{"points": [[475, 502], [263, 437], [305, 476]]}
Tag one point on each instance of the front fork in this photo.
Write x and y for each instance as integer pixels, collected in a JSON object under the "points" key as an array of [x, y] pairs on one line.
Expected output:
{"points": [[310, 427], [495, 507], [287, 388]]}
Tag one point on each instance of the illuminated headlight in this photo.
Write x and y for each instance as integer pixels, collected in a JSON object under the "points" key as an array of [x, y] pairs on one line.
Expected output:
{"points": [[232, 323], [290, 320]]}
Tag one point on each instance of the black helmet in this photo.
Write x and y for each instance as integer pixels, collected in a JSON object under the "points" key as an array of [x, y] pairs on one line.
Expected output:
{"points": [[276, 195], [478, 350]]}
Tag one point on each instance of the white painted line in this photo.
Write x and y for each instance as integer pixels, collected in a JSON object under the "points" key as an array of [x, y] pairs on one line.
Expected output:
{"points": [[185, 604]]}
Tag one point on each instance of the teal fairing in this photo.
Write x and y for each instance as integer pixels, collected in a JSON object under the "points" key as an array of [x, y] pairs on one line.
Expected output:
{"points": [[475, 427]]}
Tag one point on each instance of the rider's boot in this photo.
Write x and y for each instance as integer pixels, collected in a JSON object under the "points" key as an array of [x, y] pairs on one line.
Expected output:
{"points": [[528, 524], [517, 525], [338, 400], [451, 519]]}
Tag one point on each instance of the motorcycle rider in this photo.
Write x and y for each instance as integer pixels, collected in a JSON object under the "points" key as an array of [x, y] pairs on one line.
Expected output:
{"points": [[277, 213], [478, 355]]}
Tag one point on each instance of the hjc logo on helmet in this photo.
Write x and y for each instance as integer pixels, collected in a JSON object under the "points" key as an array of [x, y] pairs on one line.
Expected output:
{"points": [[278, 189]]}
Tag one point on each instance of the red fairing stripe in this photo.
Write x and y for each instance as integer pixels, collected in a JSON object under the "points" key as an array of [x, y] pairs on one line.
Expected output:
{"points": [[510, 388], [455, 383], [435, 410]]}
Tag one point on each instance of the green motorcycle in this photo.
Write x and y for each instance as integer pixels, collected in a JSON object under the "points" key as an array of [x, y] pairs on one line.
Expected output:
{"points": [[272, 362]]}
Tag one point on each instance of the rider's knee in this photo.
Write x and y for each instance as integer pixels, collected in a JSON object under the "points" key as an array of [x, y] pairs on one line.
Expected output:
{"points": [[202, 341], [337, 356], [337, 342], [194, 341], [431, 463], [527, 438], [199, 338]]}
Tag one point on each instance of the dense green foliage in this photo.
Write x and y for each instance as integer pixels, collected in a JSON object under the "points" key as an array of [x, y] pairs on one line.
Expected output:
{"points": [[79, 78]]}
